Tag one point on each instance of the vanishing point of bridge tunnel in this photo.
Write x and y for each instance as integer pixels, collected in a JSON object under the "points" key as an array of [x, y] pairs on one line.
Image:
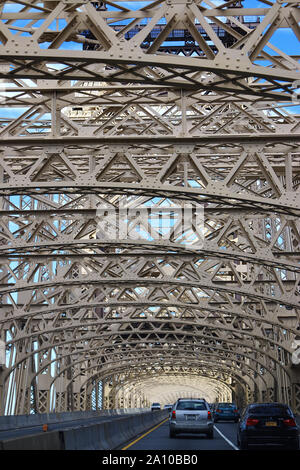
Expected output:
{"points": [[149, 204]]}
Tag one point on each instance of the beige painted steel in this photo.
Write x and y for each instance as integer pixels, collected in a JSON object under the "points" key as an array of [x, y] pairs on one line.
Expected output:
{"points": [[83, 313]]}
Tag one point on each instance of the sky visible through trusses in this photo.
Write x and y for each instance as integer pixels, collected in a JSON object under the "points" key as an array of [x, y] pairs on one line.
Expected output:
{"points": [[284, 38], [281, 36]]}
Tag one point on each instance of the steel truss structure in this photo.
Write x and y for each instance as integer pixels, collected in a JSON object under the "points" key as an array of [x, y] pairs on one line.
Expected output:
{"points": [[101, 105]]}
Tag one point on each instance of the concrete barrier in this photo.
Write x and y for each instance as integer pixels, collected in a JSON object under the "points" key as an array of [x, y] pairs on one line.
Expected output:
{"points": [[46, 441], [120, 432], [25, 421], [107, 435], [111, 434]]}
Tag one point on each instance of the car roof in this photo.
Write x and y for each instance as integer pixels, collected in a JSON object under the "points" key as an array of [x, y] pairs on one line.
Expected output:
{"points": [[226, 403], [284, 405], [191, 399]]}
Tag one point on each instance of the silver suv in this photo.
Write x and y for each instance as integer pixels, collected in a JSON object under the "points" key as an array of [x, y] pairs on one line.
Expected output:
{"points": [[191, 415]]}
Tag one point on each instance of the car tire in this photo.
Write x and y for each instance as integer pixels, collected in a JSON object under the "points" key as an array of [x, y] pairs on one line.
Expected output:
{"points": [[294, 445], [210, 435], [243, 445], [172, 434]]}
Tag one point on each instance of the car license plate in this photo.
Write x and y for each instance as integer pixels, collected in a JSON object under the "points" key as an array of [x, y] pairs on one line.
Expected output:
{"points": [[191, 417], [271, 423]]}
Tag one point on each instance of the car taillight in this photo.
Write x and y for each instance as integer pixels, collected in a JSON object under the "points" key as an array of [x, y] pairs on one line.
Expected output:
{"points": [[289, 422], [208, 415], [173, 415], [251, 422], [235, 411], [218, 411]]}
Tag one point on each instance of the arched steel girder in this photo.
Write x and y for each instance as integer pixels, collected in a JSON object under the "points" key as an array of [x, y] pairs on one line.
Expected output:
{"points": [[140, 381], [200, 278], [186, 313], [126, 343], [157, 327], [262, 251], [155, 332], [212, 362], [10, 253], [94, 280], [189, 66], [126, 385], [190, 316], [234, 68], [232, 189], [219, 195], [139, 367], [76, 250], [193, 315], [214, 367], [113, 362], [190, 378], [258, 246], [141, 377]]}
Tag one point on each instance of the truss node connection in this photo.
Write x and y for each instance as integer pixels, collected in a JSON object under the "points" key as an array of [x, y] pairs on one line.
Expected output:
{"points": [[149, 203]]}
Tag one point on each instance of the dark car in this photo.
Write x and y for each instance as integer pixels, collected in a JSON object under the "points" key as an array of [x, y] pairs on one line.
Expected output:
{"points": [[168, 407], [226, 411], [264, 424]]}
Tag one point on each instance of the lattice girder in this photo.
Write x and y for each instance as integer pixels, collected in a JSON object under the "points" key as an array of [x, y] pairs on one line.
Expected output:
{"points": [[124, 60], [123, 118]]}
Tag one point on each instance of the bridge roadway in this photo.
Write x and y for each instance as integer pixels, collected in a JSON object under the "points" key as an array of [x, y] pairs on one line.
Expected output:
{"points": [[155, 438], [158, 439]]}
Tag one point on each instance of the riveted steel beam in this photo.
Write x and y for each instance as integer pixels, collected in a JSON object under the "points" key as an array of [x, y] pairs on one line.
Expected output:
{"points": [[100, 105]]}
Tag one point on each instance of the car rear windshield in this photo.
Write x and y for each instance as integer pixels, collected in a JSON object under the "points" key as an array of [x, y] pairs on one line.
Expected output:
{"points": [[226, 405], [272, 410], [191, 405]]}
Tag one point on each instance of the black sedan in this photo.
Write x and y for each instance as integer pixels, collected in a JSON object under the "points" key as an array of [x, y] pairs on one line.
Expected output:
{"points": [[267, 424]]}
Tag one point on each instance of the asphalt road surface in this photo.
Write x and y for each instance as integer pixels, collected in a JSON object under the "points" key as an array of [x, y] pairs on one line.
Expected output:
{"points": [[158, 439]]}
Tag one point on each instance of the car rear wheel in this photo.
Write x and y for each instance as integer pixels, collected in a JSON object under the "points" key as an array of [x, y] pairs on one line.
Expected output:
{"points": [[294, 445], [243, 444]]}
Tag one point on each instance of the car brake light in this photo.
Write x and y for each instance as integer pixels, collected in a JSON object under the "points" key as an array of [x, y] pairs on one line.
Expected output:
{"points": [[235, 411], [251, 422], [173, 415], [290, 422], [208, 415]]}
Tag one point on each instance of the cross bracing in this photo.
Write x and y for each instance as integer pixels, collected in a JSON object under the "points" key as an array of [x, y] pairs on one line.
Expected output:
{"points": [[100, 105]]}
